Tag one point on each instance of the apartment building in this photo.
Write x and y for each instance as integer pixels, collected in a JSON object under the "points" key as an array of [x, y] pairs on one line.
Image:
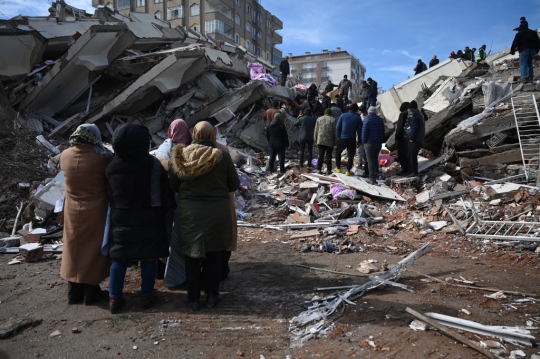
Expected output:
{"points": [[242, 22], [327, 65]]}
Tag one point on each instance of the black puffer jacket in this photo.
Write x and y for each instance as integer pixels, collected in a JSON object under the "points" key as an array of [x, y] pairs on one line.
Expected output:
{"points": [[524, 40], [277, 134], [139, 197]]}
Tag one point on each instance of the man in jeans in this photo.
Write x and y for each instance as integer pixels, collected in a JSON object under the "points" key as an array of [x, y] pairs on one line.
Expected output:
{"points": [[373, 90], [307, 128], [413, 136], [528, 45], [372, 139], [349, 132]]}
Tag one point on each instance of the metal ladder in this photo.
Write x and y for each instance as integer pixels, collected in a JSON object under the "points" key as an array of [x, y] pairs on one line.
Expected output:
{"points": [[528, 128], [520, 231]]}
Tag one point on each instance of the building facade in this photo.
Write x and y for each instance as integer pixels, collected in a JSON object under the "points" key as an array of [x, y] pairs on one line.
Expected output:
{"points": [[327, 66], [242, 22]]}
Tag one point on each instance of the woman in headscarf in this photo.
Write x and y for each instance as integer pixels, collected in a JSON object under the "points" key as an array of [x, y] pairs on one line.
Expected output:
{"points": [[401, 141], [85, 212], [140, 197], [203, 176], [175, 271]]}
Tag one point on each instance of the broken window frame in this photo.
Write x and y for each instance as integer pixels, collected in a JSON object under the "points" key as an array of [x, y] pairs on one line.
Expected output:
{"points": [[158, 2], [214, 26], [179, 12]]}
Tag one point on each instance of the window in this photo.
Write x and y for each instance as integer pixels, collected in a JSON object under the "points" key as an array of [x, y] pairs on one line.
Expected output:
{"points": [[259, 34], [237, 38], [248, 44], [324, 65], [175, 12], [276, 59], [268, 24], [237, 19], [195, 28], [211, 26], [124, 4], [248, 27], [194, 10], [237, 2], [267, 56], [293, 68], [158, 15], [140, 3], [248, 8], [268, 39], [259, 51], [259, 17], [158, 1]]}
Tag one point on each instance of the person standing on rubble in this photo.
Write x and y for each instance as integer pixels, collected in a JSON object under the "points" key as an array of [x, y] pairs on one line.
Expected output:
{"points": [[329, 87], [527, 43], [360, 151], [452, 55], [85, 212], [420, 67], [317, 108], [413, 135], [325, 138], [307, 127], [278, 141], [372, 139], [481, 53], [434, 61], [285, 70], [139, 197], [312, 93], [175, 270], [372, 93], [204, 176], [403, 155], [468, 54], [523, 24], [349, 132], [364, 93], [344, 87], [269, 114]]}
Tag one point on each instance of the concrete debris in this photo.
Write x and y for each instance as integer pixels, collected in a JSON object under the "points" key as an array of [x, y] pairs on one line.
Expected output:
{"points": [[10, 327]]}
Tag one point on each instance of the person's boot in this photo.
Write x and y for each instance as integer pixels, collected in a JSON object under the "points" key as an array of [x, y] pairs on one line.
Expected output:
{"points": [[75, 293], [94, 294], [148, 300], [115, 304], [212, 300]]}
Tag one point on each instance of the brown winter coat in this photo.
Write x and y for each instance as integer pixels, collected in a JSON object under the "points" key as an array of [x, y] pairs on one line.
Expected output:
{"points": [[85, 211]]}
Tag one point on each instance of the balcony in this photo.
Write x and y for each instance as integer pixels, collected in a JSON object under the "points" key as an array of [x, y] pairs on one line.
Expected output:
{"points": [[277, 38], [309, 69], [219, 3], [220, 35], [277, 24], [225, 17]]}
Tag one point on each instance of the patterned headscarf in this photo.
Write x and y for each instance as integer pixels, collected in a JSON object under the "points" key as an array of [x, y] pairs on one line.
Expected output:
{"points": [[88, 134]]}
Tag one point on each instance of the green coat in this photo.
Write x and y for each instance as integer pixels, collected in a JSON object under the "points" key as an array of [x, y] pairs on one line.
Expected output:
{"points": [[203, 176], [325, 131]]}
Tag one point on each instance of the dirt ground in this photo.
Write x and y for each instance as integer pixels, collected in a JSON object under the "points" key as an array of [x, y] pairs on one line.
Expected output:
{"points": [[265, 290]]}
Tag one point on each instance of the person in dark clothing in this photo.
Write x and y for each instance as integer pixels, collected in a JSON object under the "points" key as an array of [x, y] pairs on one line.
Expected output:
{"points": [[403, 156], [344, 88], [336, 111], [349, 132], [307, 128], [452, 55], [373, 92], [528, 44], [413, 135], [372, 139], [362, 159], [278, 140], [473, 50], [317, 108], [339, 103], [326, 102], [482, 53], [420, 67], [329, 87], [459, 54], [523, 24], [140, 197], [285, 70], [434, 61], [468, 54], [364, 93], [312, 92]]}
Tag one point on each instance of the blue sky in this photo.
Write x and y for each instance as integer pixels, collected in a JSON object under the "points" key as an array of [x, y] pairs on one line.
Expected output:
{"points": [[388, 36]]}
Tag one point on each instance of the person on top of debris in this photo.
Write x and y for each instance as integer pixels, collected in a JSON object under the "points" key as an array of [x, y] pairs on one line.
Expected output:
{"points": [[413, 135], [302, 106], [203, 176], [360, 151], [364, 93], [336, 111], [329, 87], [344, 87], [278, 141], [175, 271], [473, 50], [307, 128], [523, 24], [403, 155], [468, 54], [452, 55], [326, 102], [527, 43], [85, 212], [372, 139], [139, 197], [312, 92], [372, 93], [317, 108], [420, 67], [269, 114], [434, 61], [482, 53], [339, 103], [459, 55], [349, 132], [285, 111], [325, 139], [285, 70]]}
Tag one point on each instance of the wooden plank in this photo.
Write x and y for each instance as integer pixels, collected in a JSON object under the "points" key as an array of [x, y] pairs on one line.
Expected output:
{"points": [[315, 177], [361, 185], [312, 233]]}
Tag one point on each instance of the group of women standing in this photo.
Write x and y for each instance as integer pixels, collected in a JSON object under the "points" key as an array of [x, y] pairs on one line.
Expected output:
{"points": [[121, 208]]}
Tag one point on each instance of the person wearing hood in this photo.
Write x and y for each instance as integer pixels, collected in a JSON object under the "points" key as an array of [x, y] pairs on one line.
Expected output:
{"points": [[175, 272], [413, 135], [203, 176], [307, 126], [364, 93], [85, 212], [403, 156], [312, 93], [325, 139], [372, 139], [527, 43], [278, 140], [140, 197], [420, 67]]}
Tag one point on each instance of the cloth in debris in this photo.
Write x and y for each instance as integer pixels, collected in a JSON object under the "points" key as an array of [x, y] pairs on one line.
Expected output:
{"points": [[349, 125], [245, 181], [256, 73], [203, 176], [139, 197], [385, 160], [325, 131], [88, 134], [85, 211], [341, 192]]}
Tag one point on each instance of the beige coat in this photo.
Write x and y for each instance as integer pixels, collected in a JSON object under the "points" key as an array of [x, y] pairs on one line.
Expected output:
{"points": [[85, 211]]}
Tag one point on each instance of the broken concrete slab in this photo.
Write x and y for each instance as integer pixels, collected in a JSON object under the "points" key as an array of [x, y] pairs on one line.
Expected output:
{"points": [[25, 51], [487, 127], [361, 185], [509, 156]]}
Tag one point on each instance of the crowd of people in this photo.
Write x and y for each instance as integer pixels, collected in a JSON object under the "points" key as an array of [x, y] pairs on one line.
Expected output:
{"points": [[133, 206]]}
